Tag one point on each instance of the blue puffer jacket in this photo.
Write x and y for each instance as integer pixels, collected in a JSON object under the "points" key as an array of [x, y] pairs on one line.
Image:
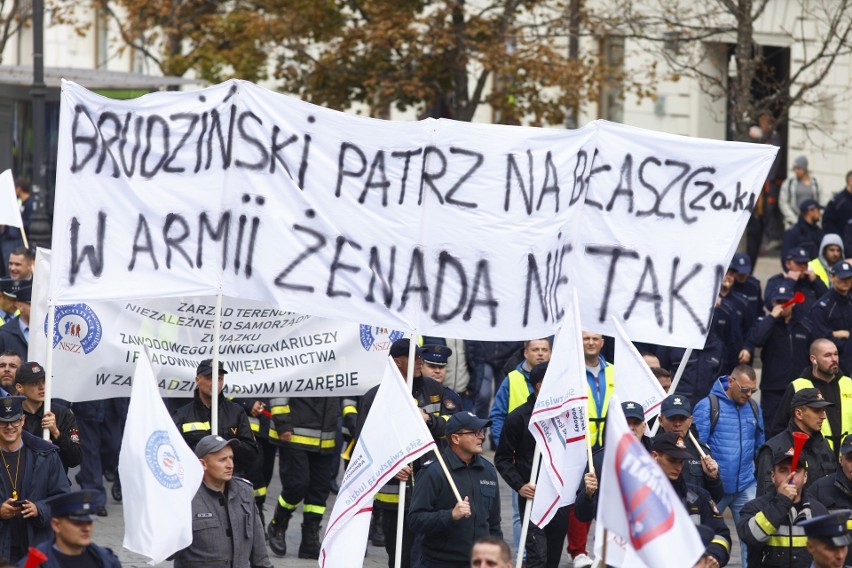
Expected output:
{"points": [[736, 438]]}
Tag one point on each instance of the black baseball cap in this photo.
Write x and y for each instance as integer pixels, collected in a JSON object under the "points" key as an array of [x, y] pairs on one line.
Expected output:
{"points": [[676, 405], [400, 347], [206, 368], [780, 456], [465, 419], [671, 444], [741, 263], [846, 446], [211, 444], [29, 372], [809, 397], [633, 410]]}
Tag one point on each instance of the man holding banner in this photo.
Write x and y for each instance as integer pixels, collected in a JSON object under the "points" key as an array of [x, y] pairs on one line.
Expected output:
{"points": [[450, 527]]}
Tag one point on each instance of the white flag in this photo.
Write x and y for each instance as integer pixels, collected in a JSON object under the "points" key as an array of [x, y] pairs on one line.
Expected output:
{"points": [[381, 451], [159, 474], [634, 380], [558, 422], [638, 503], [10, 209]]}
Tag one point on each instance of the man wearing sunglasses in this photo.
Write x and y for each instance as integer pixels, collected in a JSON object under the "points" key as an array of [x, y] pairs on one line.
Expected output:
{"points": [[731, 423], [449, 526]]}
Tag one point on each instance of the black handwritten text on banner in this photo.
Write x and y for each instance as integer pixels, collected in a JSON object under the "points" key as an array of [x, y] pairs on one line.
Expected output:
{"points": [[459, 230]]}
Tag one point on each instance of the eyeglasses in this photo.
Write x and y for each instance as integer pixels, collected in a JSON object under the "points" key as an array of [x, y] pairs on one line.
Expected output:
{"points": [[476, 433], [13, 424], [745, 390]]}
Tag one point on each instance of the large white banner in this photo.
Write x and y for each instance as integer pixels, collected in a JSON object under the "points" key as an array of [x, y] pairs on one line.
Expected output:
{"points": [[447, 228], [267, 352]]}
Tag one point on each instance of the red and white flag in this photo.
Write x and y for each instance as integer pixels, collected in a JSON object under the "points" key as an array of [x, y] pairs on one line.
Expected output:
{"points": [[638, 503], [634, 380], [380, 453], [558, 422]]}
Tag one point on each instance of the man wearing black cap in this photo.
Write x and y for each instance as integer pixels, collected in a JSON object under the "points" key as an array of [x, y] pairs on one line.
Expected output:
{"points": [[429, 396], [784, 337], [72, 523], [59, 421], [827, 376], [513, 459], [676, 417], [828, 539], [669, 451], [15, 333], [806, 232], [193, 419], [808, 408], [832, 314], [586, 504], [435, 358], [33, 472], [798, 277], [226, 526], [8, 310], [450, 527], [768, 524], [745, 283]]}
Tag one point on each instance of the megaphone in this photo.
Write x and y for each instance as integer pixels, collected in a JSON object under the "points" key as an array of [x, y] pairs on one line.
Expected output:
{"points": [[797, 298], [799, 439], [35, 557]]}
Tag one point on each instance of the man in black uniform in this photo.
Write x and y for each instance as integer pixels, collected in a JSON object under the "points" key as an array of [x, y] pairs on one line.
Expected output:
{"points": [[767, 524], [73, 524], [676, 416], [828, 539], [832, 314], [835, 491], [669, 451], [450, 527], [799, 278], [193, 419], [429, 396], [60, 421], [307, 432], [808, 415], [513, 459]]}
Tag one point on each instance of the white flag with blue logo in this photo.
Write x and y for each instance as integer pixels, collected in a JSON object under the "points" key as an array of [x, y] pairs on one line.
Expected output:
{"points": [[159, 474], [638, 503]]}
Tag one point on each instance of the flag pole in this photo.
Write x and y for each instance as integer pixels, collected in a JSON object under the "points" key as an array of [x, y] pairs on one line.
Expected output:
{"points": [[589, 451], [447, 473], [603, 547], [217, 336], [678, 374], [48, 365], [525, 521], [24, 238], [400, 511], [701, 452]]}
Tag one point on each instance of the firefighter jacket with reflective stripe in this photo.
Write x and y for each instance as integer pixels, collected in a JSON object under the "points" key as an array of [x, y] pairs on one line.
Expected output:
{"points": [[193, 421], [311, 420], [768, 526], [703, 511], [840, 415]]}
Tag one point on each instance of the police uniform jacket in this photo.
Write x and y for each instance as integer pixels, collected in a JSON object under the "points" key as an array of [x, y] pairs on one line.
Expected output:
{"points": [[837, 212], [835, 492], [70, 451], [785, 348], [703, 511], [225, 538], [751, 290], [831, 313], [693, 473], [703, 366], [805, 235], [429, 395], [103, 557], [816, 451], [12, 338], [445, 540], [41, 477], [768, 526], [193, 421]]}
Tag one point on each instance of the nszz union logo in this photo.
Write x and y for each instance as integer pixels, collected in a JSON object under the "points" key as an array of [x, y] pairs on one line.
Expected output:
{"points": [[163, 460], [76, 329], [374, 338], [643, 490]]}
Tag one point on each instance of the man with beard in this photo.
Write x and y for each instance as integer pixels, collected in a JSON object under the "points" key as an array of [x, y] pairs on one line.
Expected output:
{"points": [[825, 376], [830, 253], [832, 314], [9, 363]]}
